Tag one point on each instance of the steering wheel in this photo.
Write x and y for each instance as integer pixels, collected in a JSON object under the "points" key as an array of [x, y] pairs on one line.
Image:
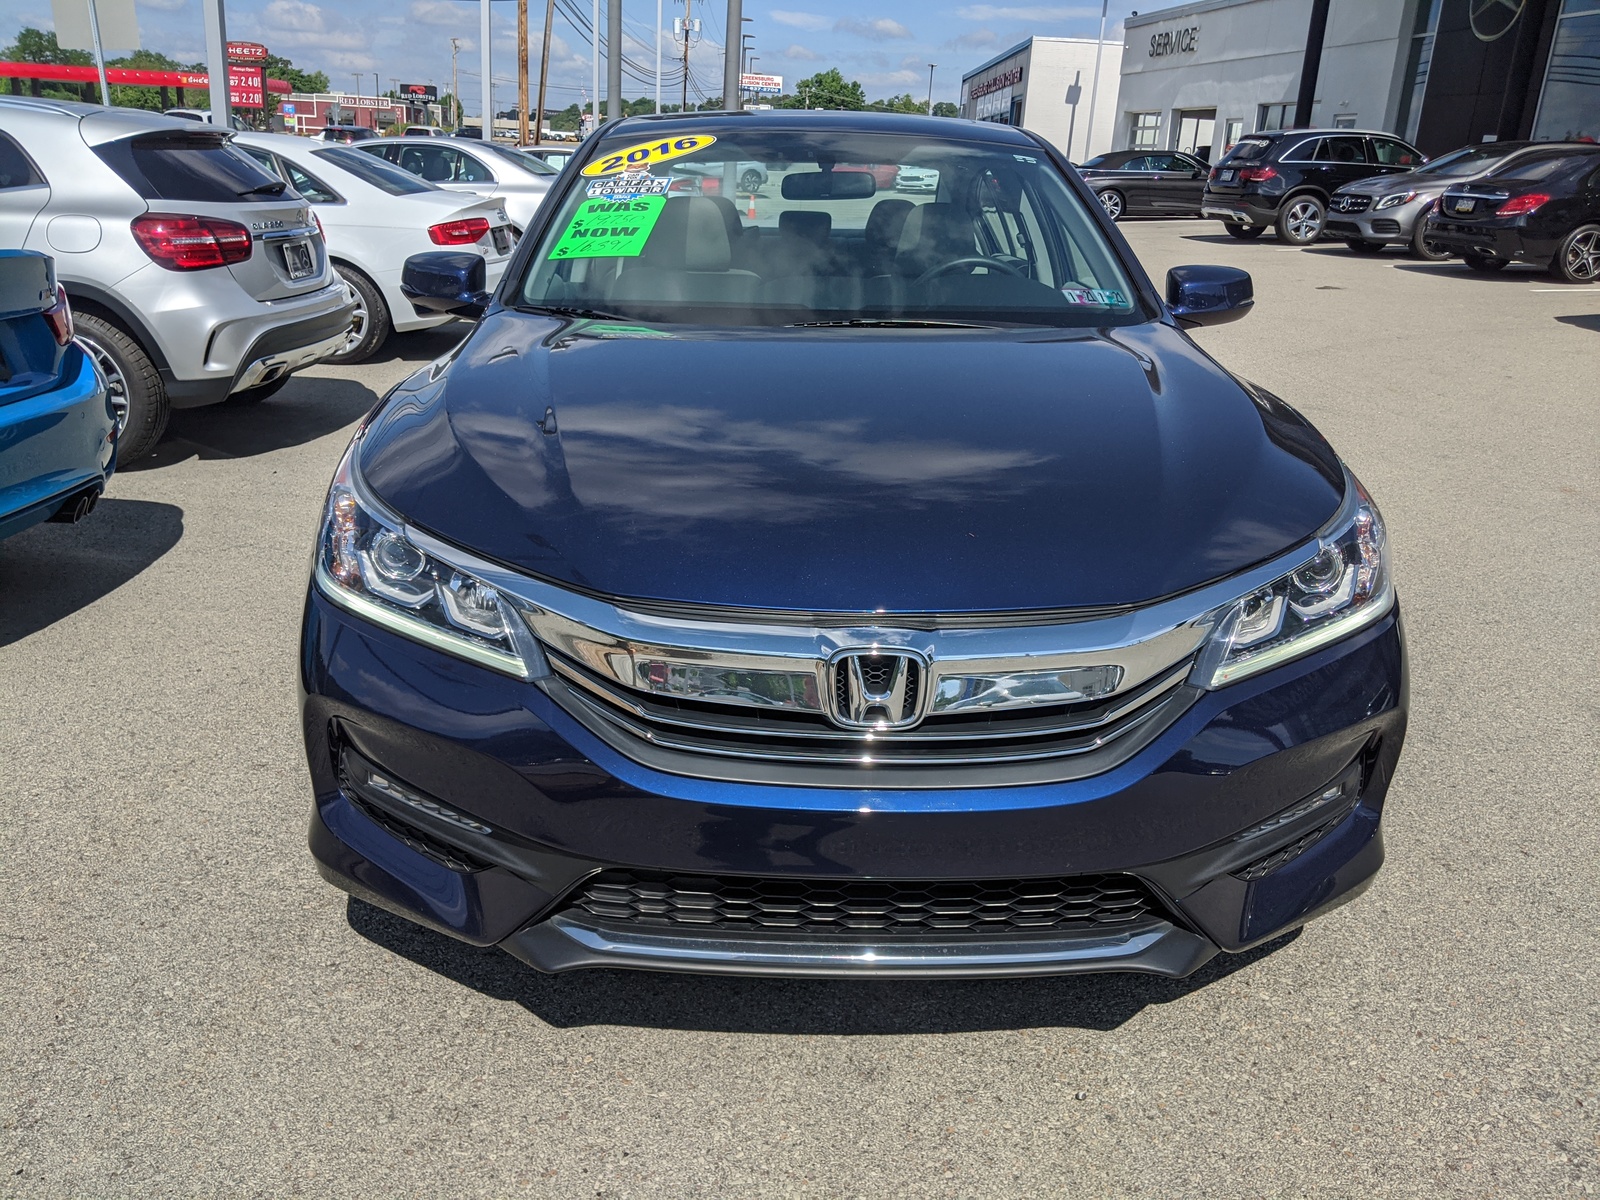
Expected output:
{"points": [[968, 260]]}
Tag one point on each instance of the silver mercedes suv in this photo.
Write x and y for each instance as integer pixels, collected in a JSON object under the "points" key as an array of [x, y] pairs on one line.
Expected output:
{"points": [[193, 274]]}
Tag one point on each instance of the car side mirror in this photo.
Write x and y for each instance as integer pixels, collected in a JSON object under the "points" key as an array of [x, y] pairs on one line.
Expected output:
{"points": [[446, 282], [1203, 295]]}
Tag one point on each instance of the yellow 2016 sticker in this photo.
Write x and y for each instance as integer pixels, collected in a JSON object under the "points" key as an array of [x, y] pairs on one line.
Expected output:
{"points": [[647, 154]]}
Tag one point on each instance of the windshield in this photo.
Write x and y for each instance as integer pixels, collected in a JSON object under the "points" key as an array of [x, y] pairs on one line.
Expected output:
{"points": [[530, 164], [670, 231], [376, 171], [1474, 160]]}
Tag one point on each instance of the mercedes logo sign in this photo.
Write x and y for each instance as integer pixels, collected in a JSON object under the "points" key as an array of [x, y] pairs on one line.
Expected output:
{"points": [[1493, 19]]}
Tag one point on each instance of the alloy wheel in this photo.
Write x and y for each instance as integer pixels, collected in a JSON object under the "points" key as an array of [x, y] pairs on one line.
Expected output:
{"points": [[358, 324], [1112, 203], [116, 385], [1583, 256], [1305, 221]]}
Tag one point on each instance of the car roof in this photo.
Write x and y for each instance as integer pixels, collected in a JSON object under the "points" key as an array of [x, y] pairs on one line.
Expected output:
{"points": [[791, 120]]}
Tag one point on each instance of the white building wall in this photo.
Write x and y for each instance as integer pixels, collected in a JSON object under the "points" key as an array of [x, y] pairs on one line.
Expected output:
{"points": [[1050, 67], [1249, 52]]}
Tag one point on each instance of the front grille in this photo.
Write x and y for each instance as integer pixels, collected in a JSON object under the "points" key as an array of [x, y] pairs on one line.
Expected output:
{"points": [[877, 673], [865, 908], [1350, 204], [631, 721], [1342, 228], [420, 840]]}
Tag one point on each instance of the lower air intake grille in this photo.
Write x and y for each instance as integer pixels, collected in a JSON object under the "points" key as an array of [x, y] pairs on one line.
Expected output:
{"points": [[862, 908], [1265, 866]]}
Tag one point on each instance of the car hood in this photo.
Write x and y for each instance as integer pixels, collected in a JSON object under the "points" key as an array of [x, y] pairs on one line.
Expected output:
{"points": [[851, 470], [1388, 185]]}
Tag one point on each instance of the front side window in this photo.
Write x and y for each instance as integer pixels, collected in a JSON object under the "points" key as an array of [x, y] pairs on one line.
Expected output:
{"points": [[467, 169], [1004, 240], [1392, 153]]}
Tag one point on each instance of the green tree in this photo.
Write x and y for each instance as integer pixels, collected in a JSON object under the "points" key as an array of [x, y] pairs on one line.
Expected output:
{"points": [[826, 89], [308, 82], [38, 46], [943, 108], [899, 104]]}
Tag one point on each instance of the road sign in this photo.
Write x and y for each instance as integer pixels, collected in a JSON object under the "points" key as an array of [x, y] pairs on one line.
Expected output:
{"points": [[762, 84], [246, 52], [119, 27], [246, 87]]}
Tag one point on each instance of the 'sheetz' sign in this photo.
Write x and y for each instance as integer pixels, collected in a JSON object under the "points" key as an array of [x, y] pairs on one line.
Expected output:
{"points": [[246, 52], [246, 88], [995, 82]]}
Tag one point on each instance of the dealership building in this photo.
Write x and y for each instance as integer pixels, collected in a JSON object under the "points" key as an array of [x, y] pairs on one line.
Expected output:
{"points": [[1440, 73], [1046, 84]]}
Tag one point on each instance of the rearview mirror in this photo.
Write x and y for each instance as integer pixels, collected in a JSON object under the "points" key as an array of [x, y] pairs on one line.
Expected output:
{"points": [[829, 185], [1203, 295], [446, 282]]}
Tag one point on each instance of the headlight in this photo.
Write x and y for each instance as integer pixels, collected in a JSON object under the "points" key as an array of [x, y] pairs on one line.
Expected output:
{"points": [[1395, 200], [366, 563], [1343, 587]]}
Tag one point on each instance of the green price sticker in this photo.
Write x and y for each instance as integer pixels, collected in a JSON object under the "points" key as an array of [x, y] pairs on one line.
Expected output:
{"points": [[610, 228]]}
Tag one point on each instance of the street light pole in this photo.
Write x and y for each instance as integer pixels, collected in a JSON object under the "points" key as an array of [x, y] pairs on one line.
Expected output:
{"points": [[486, 65], [217, 62], [455, 86], [1094, 92], [931, 66], [730, 57]]}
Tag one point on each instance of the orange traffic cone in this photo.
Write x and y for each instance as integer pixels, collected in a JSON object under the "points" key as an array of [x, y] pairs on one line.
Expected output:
{"points": [[751, 214]]}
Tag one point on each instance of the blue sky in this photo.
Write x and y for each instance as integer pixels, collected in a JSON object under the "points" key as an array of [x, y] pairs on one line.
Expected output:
{"points": [[886, 45]]}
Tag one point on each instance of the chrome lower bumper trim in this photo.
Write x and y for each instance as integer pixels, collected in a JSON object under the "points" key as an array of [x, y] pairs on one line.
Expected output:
{"points": [[265, 370], [564, 944]]}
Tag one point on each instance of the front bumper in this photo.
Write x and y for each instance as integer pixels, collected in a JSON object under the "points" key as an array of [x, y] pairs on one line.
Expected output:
{"points": [[525, 805], [1395, 224], [55, 445]]}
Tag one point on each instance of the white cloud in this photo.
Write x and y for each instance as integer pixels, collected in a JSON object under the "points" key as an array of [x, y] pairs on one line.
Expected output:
{"points": [[165, 5], [443, 13], [813, 22], [299, 23], [893, 79], [877, 29], [799, 53], [990, 12]]}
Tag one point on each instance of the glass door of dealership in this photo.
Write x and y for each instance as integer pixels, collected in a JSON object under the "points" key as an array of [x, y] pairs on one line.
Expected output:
{"points": [[1196, 130]]}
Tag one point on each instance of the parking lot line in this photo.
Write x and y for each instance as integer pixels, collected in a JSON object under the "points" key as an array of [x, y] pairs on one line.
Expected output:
{"points": [[1570, 291]]}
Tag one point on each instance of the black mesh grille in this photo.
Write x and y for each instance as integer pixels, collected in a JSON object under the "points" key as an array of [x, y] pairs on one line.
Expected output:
{"points": [[1266, 865], [419, 840], [858, 908]]}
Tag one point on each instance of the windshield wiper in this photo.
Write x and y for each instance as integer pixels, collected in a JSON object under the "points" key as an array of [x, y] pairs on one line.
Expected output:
{"points": [[891, 323], [275, 188], [561, 310]]}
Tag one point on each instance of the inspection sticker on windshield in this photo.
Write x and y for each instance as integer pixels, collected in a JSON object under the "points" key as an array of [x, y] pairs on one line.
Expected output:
{"points": [[1101, 297], [610, 228], [626, 187], [645, 154]]}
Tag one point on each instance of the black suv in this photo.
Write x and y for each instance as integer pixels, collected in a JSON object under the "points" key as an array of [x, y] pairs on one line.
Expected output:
{"points": [[1284, 179]]}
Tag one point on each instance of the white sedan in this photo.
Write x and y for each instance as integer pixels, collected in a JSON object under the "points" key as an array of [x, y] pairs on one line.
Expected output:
{"points": [[374, 216], [519, 181]]}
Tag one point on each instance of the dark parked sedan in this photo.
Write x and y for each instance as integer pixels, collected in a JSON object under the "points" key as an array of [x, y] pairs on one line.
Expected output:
{"points": [[892, 589], [1139, 183], [1283, 180], [1541, 208]]}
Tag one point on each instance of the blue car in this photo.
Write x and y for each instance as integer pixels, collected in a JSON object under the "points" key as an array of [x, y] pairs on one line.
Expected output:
{"points": [[58, 442], [881, 587]]}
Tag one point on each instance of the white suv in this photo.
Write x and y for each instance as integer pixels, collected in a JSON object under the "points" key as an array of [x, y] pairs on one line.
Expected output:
{"points": [[193, 274]]}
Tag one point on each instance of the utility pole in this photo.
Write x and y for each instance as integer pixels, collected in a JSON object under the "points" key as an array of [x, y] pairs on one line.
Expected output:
{"points": [[595, 29], [730, 57], [522, 72], [544, 71], [658, 58], [357, 75], [614, 59], [217, 62], [688, 32], [931, 66], [455, 86]]}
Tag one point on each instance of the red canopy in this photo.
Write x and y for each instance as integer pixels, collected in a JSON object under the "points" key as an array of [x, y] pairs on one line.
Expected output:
{"points": [[124, 75]]}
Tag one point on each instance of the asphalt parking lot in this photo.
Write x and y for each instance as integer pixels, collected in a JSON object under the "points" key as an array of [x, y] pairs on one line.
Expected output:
{"points": [[188, 1010]]}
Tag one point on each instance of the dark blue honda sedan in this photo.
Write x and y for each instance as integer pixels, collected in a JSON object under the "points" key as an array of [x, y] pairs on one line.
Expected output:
{"points": [[822, 582]]}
